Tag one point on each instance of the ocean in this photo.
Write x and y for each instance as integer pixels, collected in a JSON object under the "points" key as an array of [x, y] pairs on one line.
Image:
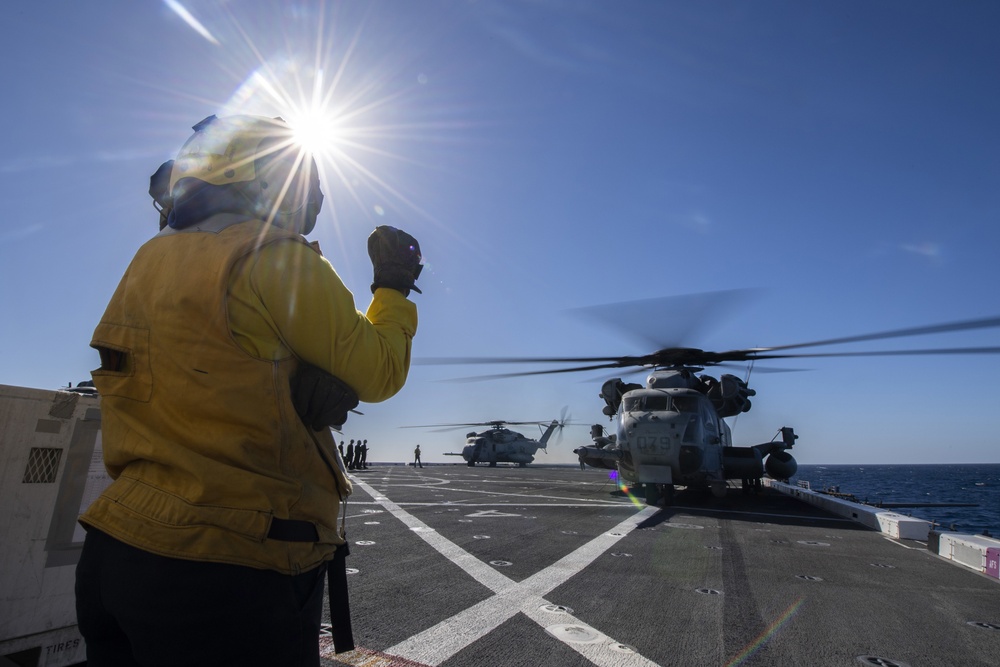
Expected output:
{"points": [[977, 484]]}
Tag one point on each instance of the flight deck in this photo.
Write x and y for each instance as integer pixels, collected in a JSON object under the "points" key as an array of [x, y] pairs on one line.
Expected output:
{"points": [[553, 565]]}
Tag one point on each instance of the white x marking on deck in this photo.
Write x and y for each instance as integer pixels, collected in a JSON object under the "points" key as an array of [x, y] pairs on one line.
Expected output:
{"points": [[440, 642]]}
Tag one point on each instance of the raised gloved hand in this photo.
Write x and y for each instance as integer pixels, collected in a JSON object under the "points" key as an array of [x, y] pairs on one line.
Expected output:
{"points": [[320, 399], [395, 258]]}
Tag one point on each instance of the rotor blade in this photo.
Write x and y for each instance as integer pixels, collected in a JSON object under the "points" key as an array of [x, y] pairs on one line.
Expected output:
{"points": [[441, 428], [667, 321], [495, 422], [461, 361], [759, 369], [462, 424], [803, 355], [884, 353], [962, 325], [539, 423], [690, 357], [499, 376]]}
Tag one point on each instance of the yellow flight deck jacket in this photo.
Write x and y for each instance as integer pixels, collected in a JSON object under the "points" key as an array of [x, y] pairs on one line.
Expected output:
{"points": [[198, 428]]}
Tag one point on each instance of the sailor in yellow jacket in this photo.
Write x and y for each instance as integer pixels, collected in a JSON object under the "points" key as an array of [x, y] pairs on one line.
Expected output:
{"points": [[227, 352]]}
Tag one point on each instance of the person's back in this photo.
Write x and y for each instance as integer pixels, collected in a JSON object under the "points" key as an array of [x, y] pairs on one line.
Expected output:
{"points": [[215, 430]]}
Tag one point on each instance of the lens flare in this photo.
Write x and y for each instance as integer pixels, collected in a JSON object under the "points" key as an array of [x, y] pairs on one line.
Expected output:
{"points": [[634, 500], [766, 635], [616, 478]]}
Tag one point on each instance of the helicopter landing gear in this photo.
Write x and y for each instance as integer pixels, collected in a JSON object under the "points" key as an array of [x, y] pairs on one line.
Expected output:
{"points": [[657, 494], [652, 494], [522, 465], [667, 494]]}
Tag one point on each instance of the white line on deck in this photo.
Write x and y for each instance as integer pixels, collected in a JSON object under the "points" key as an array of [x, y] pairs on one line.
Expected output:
{"points": [[440, 642]]}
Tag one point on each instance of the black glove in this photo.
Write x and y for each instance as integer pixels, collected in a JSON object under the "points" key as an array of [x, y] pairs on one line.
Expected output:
{"points": [[322, 400], [396, 259]]}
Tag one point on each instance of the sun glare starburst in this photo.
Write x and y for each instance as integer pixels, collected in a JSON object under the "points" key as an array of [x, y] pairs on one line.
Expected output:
{"points": [[332, 121], [315, 130], [356, 118]]}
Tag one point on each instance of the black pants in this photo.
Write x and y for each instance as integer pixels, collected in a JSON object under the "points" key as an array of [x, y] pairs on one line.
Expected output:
{"points": [[137, 609]]}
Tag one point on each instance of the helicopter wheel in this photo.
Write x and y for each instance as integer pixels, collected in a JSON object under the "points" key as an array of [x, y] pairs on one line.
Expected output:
{"points": [[652, 493], [471, 464], [493, 464], [522, 465], [667, 494]]}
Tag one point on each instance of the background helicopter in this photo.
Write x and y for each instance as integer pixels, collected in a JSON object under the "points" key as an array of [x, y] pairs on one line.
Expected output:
{"points": [[672, 429], [500, 444]]}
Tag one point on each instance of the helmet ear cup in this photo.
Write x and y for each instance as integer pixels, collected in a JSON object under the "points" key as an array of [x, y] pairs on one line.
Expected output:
{"points": [[159, 190]]}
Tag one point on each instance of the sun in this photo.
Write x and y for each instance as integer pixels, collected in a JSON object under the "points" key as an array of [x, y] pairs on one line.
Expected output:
{"points": [[318, 125], [344, 121], [315, 130]]}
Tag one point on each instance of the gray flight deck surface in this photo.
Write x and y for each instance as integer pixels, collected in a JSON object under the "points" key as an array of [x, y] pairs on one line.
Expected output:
{"points": [[545, 565]]}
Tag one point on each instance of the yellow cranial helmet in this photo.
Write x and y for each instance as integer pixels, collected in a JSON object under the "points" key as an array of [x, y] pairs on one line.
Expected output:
{"points": [[259, 156]]}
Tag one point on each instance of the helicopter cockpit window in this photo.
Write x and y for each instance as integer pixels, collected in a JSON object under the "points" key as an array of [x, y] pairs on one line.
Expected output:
{"points": [[693, 430], [686, 404], [647, 403], [657, 403], [708, 418]]}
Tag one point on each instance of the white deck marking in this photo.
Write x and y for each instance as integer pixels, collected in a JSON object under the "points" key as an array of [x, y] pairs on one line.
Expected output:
{"points": [[508, 505], [898, 543], [445, 482], [440, 642]]}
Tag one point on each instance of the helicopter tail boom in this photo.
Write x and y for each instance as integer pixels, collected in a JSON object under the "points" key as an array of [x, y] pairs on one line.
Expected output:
{"points": [[544, 440]]}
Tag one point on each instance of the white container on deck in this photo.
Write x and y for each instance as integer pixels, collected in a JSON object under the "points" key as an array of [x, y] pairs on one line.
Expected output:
{"points": [[51, 469], [968, 550]]}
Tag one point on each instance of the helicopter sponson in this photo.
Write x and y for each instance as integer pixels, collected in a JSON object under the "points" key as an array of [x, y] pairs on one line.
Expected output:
{"points": [[600, 457]]}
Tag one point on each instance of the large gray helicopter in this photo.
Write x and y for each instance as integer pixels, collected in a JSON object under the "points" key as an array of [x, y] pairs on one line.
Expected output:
{"points": [[671, 430], [499, 444]]}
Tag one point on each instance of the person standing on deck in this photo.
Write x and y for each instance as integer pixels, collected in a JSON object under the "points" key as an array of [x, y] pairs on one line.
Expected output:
{"points": [[228, 351]]}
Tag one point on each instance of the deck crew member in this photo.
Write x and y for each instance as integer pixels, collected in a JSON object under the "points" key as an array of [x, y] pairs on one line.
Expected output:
{"points": [[228, 350]]}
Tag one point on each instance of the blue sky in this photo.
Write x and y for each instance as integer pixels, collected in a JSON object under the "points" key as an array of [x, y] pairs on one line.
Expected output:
{"points": [[840, 159]]}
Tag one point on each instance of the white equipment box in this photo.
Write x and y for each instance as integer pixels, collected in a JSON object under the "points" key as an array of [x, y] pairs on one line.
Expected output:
{"points": [[51, 469]]}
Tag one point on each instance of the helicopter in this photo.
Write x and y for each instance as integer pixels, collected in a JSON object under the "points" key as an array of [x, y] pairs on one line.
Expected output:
{"points": [[671, 430], [499, 444]]}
